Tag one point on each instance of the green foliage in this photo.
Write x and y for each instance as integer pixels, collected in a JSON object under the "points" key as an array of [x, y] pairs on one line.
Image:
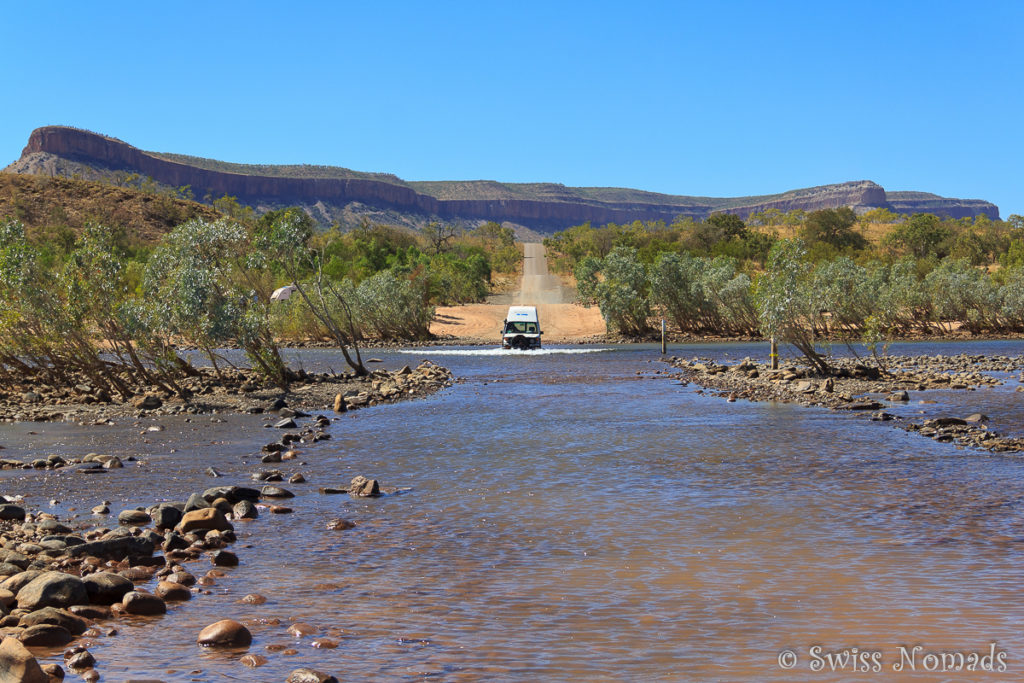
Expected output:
{"points": [[920, 236], [787, 306], [833, 227], [618, 285]]}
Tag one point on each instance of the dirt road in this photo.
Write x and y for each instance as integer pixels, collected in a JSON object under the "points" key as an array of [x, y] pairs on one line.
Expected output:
{"points": [[560, 319]]}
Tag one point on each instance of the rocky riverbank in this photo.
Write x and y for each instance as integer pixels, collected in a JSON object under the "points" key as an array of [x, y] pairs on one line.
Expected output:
{"points": [[66, 583], [855, 386], [231, 391]]}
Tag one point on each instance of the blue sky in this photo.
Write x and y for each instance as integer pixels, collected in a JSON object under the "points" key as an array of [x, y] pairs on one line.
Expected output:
{"points": [[720, 99]]}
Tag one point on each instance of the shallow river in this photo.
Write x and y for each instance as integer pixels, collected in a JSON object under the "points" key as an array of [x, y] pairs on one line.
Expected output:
{"points": [[571, 519]]}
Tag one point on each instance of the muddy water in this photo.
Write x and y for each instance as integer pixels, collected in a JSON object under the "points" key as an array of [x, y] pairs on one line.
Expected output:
{"points": [[569, 519]]}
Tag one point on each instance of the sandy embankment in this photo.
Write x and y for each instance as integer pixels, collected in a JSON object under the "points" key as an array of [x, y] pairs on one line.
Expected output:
{"points": [[561, 320]]}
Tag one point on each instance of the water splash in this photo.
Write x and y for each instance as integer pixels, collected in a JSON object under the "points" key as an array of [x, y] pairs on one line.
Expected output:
{"points": [[498, 352]]}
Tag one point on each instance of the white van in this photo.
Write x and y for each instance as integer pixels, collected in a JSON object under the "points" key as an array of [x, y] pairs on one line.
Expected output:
{"points": [[522, 328]]}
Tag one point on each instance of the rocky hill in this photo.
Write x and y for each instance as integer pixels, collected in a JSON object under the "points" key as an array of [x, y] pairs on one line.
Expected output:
{"points": [[43, 204], [338, 194]]}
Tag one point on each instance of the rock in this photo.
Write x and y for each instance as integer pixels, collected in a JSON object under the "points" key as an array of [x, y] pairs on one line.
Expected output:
{"points": [[253, 599], [940, 422], [101, 510], [196, 502], [276, 492], [106, 588], [254, 661], [53, 589], [976, 417], [280, 510], [6, 599], [143, 603], [206, 518], [148, 402], [18, 665], [286, 423], [134, 517], [363, 487], [19, 581], [297, 478], [74, 625], [81, 660], [172, 592], [232, 494], [900, 396], [225, 633], [92, 612], [213, 472], [224, 558], [113, 548], [112, 463], [166, 516], [310, 676], [244, 510], [803, 387], [339, 404], [54, 671], [340, 524], [45, 635], [15, 512]]}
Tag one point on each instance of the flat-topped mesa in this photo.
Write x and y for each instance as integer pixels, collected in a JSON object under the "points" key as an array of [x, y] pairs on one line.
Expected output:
{"points": [[858, 195], [335, 193], [925, 202]]}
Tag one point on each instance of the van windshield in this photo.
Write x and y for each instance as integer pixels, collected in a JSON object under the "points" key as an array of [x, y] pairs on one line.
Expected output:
{"points": [[523, 327]]}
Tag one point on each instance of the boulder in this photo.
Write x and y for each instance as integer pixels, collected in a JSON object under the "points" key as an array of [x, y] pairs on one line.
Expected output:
{"points": [[225, 633], [106, 588], [116, 548], [15, 512], [166, 516], [363, 487], [53, 589], [206, 518], [310, 676], [339, 404], [19, 581], [976, 417], [134, 518], [148, 402], [18, 664], [276, 492], [224, 558], [143, 603], [74, 625], [900, 396], [244, 510], [172, 592], [45, 635]]}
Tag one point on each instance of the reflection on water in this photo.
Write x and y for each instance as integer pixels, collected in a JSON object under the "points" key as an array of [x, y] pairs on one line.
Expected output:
{"points": [[570, 519]]}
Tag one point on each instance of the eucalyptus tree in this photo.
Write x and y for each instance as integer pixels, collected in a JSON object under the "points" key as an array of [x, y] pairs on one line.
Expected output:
{"points": [[200, 286], [284, 240], [618, 285], [787, 307]]}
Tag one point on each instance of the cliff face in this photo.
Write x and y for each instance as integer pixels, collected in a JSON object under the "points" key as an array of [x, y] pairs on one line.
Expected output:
{"points": [[88, 150], [857, 195], [923, 202]]}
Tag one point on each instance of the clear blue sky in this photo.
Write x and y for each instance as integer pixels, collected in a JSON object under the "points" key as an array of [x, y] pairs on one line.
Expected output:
{"points": [[698, 98]]}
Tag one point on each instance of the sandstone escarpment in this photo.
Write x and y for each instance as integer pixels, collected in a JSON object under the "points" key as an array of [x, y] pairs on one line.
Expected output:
{"points": [[334, 191]]}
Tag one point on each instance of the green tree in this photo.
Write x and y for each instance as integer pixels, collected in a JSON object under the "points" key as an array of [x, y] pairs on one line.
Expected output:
{"points": [[920, 236], [787, 307], [833, 227]]}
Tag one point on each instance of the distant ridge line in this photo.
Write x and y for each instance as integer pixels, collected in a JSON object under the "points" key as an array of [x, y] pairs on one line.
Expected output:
{"points": [[334, 192]]}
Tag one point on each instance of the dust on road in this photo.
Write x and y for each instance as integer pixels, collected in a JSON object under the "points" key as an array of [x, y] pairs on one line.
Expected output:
{"points": [[560, 319]]}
